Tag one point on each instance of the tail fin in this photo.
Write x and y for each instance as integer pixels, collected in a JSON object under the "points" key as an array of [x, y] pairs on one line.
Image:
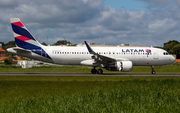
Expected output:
{"points": [[23, 37]]}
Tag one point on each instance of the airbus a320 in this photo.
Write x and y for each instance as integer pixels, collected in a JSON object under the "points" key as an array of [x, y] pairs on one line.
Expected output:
{"points": [[110, 58]]}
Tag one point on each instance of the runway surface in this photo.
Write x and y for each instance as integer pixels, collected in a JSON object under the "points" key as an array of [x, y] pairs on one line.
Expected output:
{"points": [[89, 74]]}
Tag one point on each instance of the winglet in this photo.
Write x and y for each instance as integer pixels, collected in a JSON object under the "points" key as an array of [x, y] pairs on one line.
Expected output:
{"points": [[89, 48]]}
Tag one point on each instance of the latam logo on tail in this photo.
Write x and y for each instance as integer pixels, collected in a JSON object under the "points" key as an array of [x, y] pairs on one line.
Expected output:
{"points": [[25, 40]]}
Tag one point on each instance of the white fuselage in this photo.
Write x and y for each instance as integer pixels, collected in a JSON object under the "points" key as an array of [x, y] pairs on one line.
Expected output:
{"points": [[75, 55]]}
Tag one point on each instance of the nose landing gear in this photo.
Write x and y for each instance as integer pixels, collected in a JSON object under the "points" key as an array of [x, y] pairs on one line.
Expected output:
{"points": [[153, 72]]}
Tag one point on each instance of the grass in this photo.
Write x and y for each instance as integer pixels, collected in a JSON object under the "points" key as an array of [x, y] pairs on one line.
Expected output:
{"points": [[173, 68], [89, 94]]}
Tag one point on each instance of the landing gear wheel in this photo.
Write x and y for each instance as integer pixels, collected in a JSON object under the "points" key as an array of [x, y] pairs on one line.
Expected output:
{"points": [[153, 72], [93, 71], [99, 71]]}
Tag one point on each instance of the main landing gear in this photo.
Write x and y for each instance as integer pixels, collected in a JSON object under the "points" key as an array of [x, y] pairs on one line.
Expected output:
{"points": [[153, 72], [94, 71]]}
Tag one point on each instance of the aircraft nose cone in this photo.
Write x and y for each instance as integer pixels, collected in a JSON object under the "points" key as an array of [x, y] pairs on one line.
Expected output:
{"points": [[172, 59]]}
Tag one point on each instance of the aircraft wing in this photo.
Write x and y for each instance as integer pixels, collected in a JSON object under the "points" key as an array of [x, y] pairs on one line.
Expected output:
{"points": [[101, 59]]}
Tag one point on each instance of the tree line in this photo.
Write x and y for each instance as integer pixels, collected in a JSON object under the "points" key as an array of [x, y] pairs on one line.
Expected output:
{"points": [[173, 47], [61, 42], [13, 44]]}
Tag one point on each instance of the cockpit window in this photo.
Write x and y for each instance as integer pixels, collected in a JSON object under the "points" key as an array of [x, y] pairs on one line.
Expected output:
{"points": [[166, 53]]}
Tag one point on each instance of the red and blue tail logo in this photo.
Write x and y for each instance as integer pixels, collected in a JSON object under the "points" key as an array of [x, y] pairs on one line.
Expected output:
{"points": [[24, 39]]}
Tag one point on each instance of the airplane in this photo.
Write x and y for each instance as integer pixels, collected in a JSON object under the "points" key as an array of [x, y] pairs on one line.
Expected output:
{"points": [[111, 58]]}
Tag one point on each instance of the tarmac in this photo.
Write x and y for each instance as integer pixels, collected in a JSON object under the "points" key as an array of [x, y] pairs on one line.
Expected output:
{"points": [[89, 74]]}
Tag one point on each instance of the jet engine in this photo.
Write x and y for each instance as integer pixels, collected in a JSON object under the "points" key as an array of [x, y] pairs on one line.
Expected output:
{"points": [[121, 66]]}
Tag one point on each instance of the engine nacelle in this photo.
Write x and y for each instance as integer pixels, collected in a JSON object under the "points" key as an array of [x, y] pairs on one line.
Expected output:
{"points": [[122, 66]]}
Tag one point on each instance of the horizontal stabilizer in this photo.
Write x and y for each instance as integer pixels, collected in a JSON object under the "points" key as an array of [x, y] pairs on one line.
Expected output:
{"points": [[21, 49]]}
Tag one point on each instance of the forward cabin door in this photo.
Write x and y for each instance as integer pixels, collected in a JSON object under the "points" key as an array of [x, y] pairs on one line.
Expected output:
{"points": [[155, 54]]}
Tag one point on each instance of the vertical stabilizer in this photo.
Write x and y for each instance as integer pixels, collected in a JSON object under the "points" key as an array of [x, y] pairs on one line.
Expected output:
{"points": [[23, 37]]}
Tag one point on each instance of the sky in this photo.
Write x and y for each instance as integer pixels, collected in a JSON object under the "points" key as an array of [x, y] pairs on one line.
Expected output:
{"points": [[111, 22], [131, 5]]}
